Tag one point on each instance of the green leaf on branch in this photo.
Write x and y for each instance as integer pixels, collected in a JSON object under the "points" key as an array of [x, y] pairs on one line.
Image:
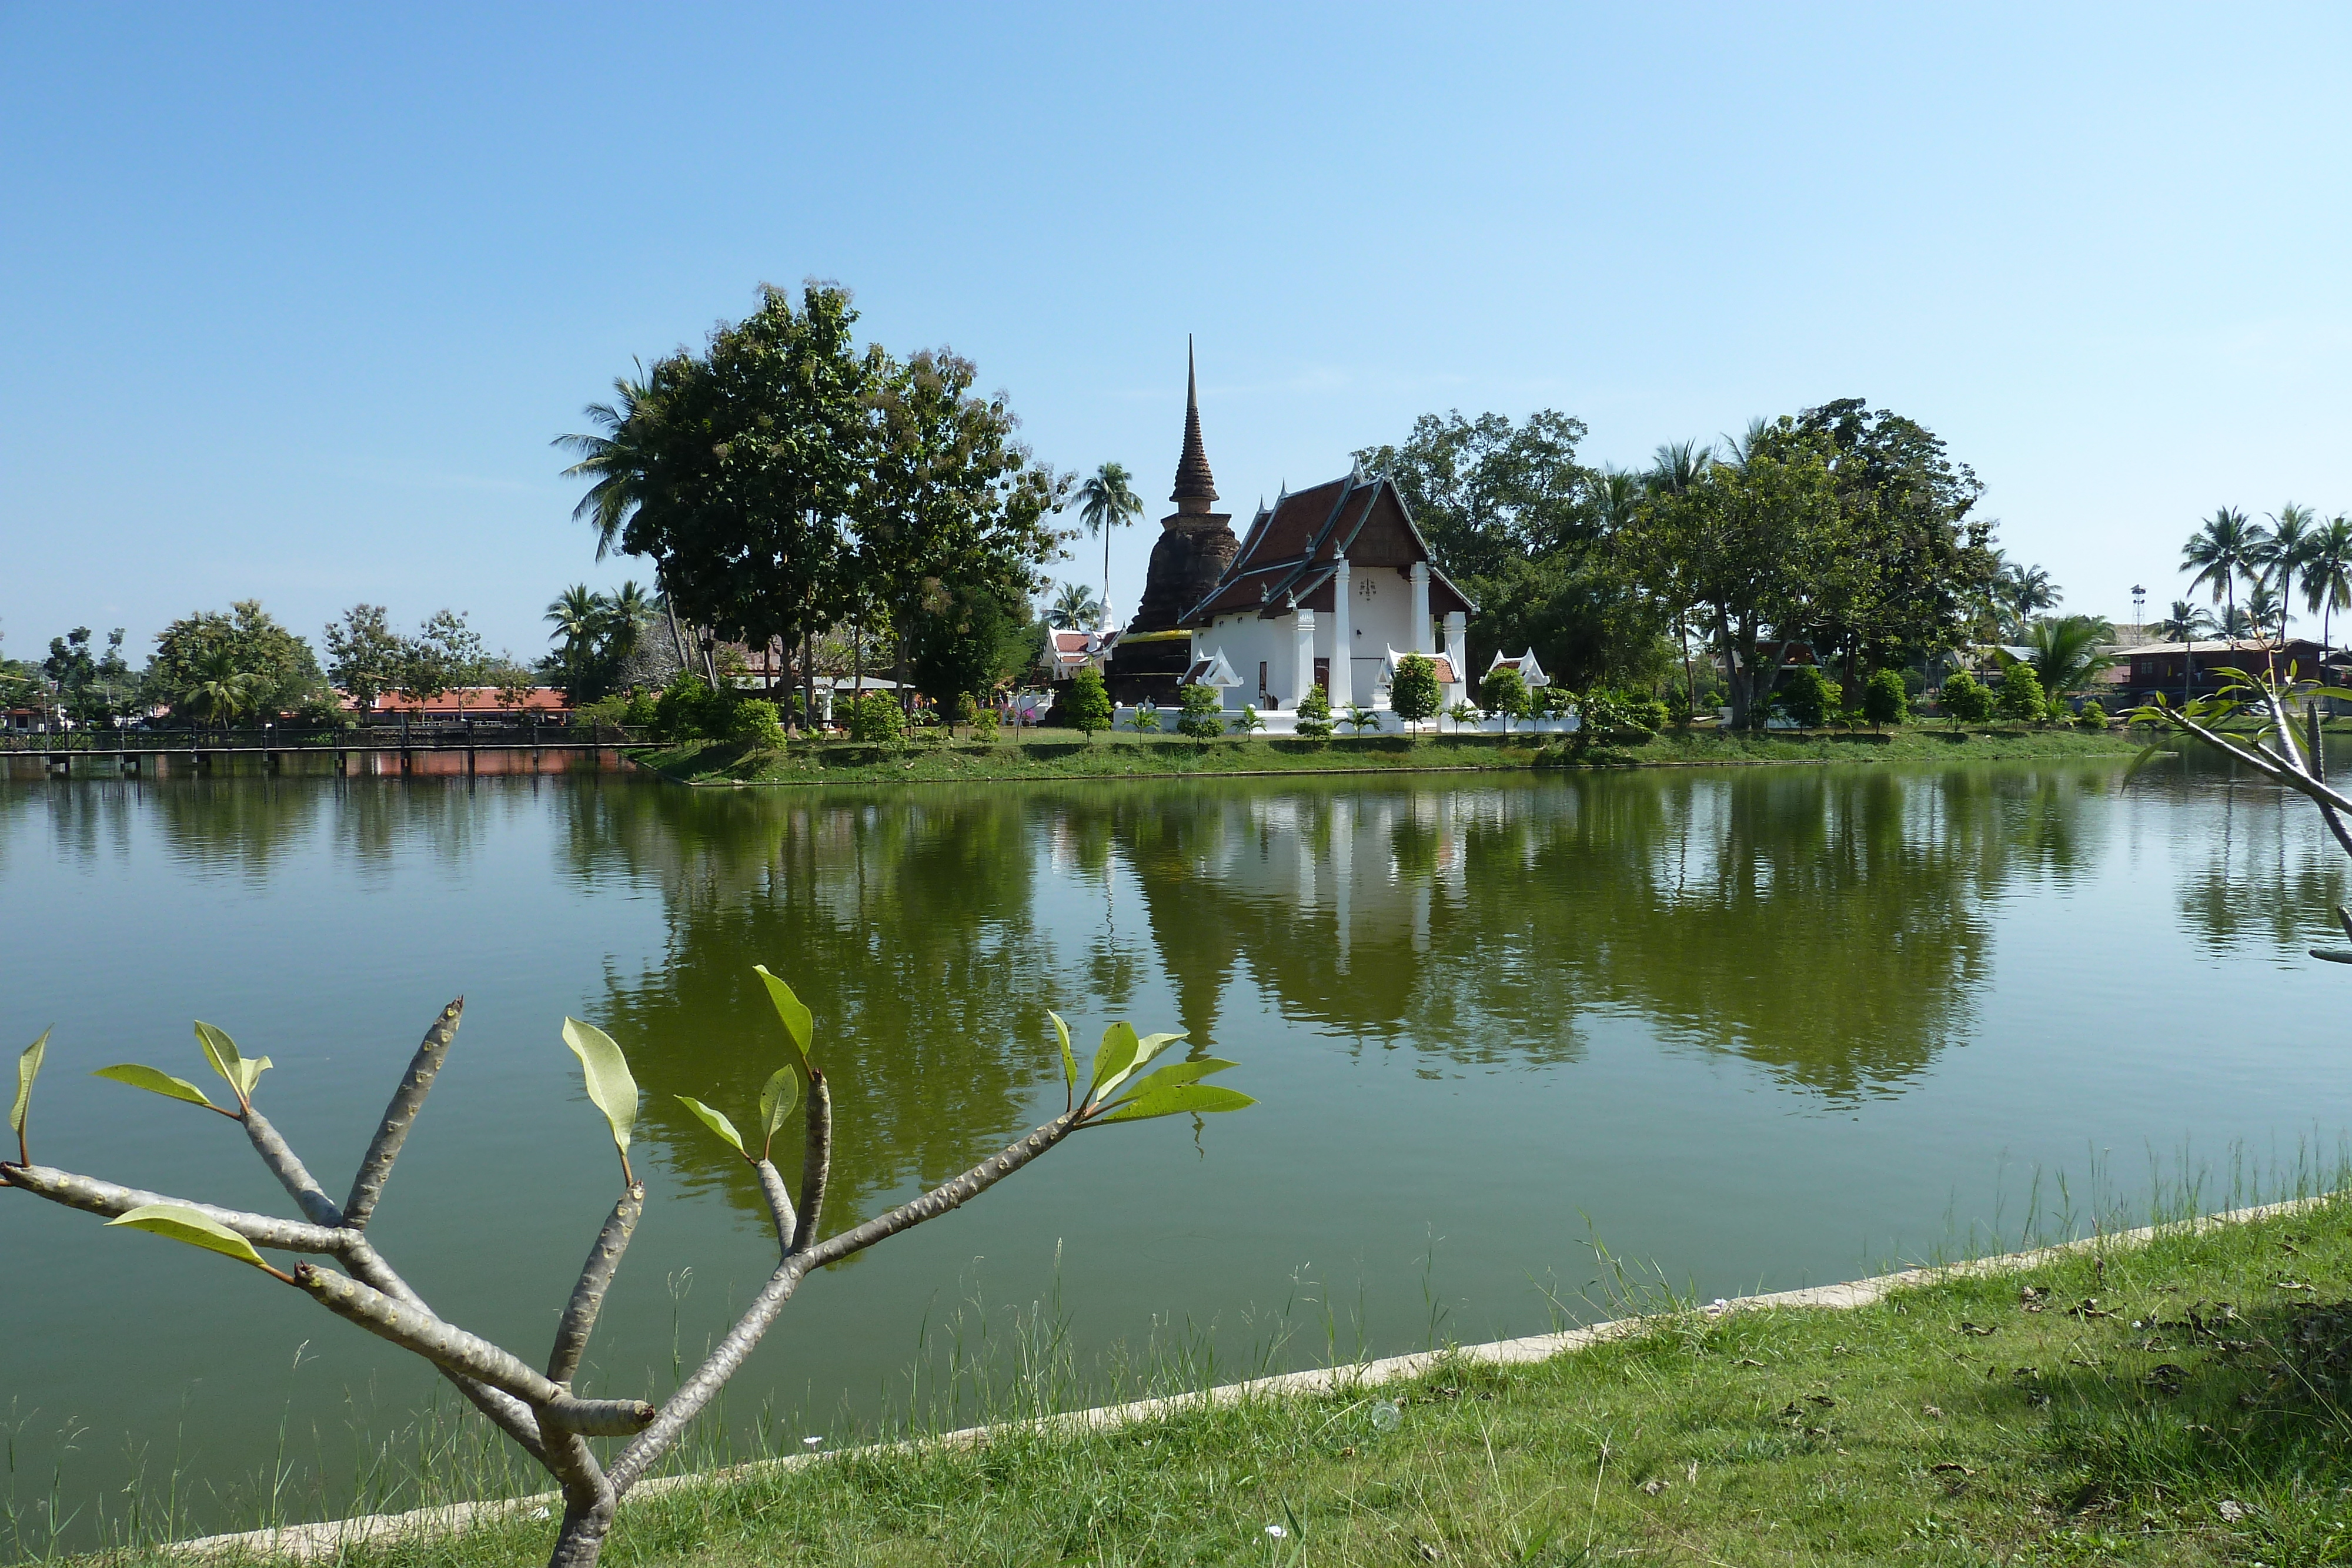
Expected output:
{"points": [[1069, 1062], [1172, 1075], [798, 1022], [181, 1223], [1112, 1059], [155, 1082], [777, 1098], [221, 1051], [28, 1067], [1201, 1098], [1123, 1055], [717, 1122], [611, 1086]]}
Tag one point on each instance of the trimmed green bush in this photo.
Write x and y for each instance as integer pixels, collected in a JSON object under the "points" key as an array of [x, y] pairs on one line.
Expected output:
{"points": [[2021, 696], [754, 724], [688, 709], [1966, 698], [1884, 700], [1809, 697], [1202, 715], [1089, 704], [873, 717], [1412, 696], [1314, 713], [2093, 716]]}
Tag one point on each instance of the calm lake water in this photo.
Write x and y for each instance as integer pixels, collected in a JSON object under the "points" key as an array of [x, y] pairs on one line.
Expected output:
{"points": [[1758, 1027]]}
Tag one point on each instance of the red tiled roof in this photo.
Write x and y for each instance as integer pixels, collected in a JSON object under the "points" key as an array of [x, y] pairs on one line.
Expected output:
{"points": [[1287, 558], [470, 699]]}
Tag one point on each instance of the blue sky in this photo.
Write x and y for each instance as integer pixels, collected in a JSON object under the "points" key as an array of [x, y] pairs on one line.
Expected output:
{"points": [[295, 299]]}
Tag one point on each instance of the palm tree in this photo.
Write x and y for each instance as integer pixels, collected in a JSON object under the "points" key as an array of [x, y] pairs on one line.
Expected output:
{"points": [[2224, 547], [2266, 607], [1075, 608], [620, 460], [2186, 622], [1678, 465], [2286, 552], [2064, 650], [2328, 575], [2024, 591], [578, 616], [627, 611], [220, 691], [1107, 501], [2184, 625], [2236, 625]]}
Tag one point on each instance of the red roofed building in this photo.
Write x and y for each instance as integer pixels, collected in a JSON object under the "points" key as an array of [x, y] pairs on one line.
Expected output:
{"points": [[470, 702]]}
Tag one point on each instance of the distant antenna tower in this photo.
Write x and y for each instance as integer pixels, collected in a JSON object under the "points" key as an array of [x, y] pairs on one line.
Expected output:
{"points": [[2139, 605]]}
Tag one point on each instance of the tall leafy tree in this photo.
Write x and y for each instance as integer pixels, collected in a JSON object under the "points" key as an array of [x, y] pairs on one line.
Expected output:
{"points": [[949, 504], [445, 654], [2224, 547], [90, 685], [281, 671], [1760, 548], [1907, 509], [363, 654], [736, 469], [1107, 501], [1525, 529]]}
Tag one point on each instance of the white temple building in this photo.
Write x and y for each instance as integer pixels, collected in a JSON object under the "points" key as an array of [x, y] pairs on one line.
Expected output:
{"points": [[1332, 587]]}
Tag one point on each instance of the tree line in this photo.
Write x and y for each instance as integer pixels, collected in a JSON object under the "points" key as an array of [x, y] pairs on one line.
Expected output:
{"points": [[218, 668]]}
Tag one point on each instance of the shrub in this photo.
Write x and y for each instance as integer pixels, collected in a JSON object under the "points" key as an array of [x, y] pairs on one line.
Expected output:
{"points": [[1412, 696], [1504, 691], [1678, 707], [1360, 718], [1809, 697], [1145, 719], [640, 713], [2020, 696], [873, 717], [963, 710], [1248, 721], [1089, 704], [1202, 716], [688, 709], [1314, 713], [1966, 698], [984, 721], [753, 724], [1646, 713], [614, 709], [2093, 716], [1462, 713], [1884, 700]]}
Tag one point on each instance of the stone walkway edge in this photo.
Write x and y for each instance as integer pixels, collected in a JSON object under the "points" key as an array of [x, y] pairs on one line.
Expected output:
{"points": [[308, 1542]]}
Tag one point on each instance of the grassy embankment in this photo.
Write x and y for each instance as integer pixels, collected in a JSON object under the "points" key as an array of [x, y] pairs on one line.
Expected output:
{"points": [[2157, 1404], [1058, 754]]}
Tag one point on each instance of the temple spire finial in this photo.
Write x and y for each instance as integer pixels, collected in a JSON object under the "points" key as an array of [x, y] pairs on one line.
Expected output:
{"points": [[1195, 488]]}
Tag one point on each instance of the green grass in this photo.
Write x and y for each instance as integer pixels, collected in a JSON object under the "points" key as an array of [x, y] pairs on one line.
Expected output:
{"points": [[2151, 1407], [1066, 755]]}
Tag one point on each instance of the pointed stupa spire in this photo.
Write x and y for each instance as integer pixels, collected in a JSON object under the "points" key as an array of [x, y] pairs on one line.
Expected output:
{"points": [[1195, 488]]}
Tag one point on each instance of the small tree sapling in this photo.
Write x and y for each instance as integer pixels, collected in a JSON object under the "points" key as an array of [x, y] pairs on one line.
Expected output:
{"points": [[540, 1410]]}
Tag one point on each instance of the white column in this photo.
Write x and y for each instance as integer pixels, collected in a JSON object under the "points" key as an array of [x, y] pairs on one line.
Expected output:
{"points": [[1457, 644], [1421, 643], [1302, 668], [1343, 651]]}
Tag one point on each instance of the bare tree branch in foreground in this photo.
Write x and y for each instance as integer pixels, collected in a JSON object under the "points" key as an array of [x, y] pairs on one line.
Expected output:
{"points": [[541, 1411]]}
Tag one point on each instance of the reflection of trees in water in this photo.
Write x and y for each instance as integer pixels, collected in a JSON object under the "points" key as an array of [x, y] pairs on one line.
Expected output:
{"points": [[2268, 879], [1827, 925], [242, 825], [1824, 924], [905, 924]]}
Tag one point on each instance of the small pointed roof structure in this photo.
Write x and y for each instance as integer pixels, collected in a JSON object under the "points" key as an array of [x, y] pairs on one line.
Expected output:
{"points": [[1195, 487]]}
